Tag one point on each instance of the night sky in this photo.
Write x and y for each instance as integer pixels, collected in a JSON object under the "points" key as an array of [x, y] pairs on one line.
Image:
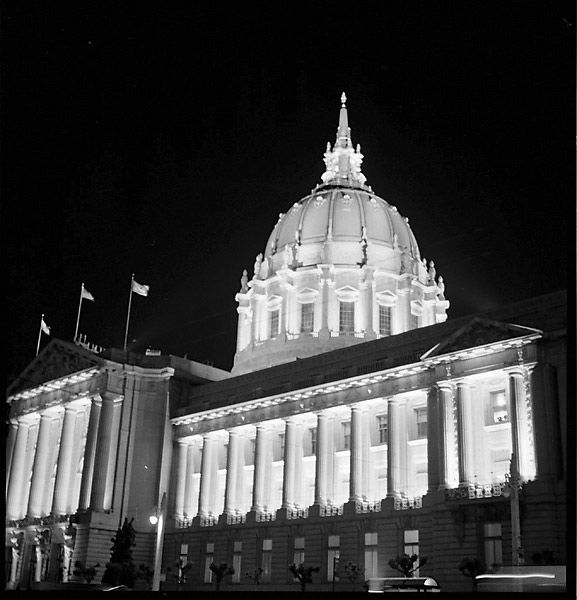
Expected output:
{"points": [[163, 139]]}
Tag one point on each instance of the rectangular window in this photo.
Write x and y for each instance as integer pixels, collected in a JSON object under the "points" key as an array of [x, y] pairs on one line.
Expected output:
{"points": [[493, 544], [313, 433], [333, 557], [281, 444], [299, 551], [274, 322], [266, 560], [347, 317], [498, 407], [347, 435], [383, 422], [307, 317], [411, 546], [414, 321], [371, 555], [384, 320], [207, 562], [236, 562], [421, 419]]}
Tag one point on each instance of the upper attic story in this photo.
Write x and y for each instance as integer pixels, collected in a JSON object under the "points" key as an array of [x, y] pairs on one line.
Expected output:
{"points": [[546, 313]]}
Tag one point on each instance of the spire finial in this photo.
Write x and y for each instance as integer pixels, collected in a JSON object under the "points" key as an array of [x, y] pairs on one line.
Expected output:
{"points": [[343, 99]]}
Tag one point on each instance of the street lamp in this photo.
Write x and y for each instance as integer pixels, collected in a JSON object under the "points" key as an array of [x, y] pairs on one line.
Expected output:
{"points": [[511, 490], [157, 518]]}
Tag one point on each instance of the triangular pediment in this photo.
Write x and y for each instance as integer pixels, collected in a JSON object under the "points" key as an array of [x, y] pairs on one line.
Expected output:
{"points": [[57, 359], [479, 332]]}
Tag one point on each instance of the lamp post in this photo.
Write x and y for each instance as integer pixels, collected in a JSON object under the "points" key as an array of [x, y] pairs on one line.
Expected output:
{"points": [[511, 490], [158, 519]]}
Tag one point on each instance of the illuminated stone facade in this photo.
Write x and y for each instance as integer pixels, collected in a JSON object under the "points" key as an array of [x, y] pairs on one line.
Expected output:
{"points": [[354, 433]]}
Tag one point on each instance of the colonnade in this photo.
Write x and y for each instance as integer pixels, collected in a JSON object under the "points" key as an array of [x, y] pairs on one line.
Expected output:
{"points": [[62, 458], [457, 451]]}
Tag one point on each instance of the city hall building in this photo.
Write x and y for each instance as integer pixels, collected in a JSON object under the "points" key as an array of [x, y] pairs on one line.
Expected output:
{"points": [[358, 422]]}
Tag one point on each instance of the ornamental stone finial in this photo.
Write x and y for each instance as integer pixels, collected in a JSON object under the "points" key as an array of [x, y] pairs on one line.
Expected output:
{"points": [[343, 99]]}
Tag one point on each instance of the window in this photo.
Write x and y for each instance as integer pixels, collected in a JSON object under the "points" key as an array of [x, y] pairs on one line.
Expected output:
{"points": [[236, 561], [333, 558], [414, 321], [281, 438], [421, 420], [384, 320], [411, 546], [371, 555], [347, 435], [266, 559], [383, 423], [274, 322], [313, 433], [299, 551], [307, 317], [347, 317], [207, 562], [498, 409], [493, 544]]}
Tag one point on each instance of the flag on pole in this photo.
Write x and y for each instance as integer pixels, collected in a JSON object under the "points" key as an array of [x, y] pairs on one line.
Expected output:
{"points": [[84, 293], [140, 289], [44, 327]]}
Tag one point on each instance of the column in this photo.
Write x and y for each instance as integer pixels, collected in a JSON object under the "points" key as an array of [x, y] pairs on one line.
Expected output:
{"points": [[369, 292], [10, 445], [181, 478], [106, 449], [232, 471], [434, 435], [465, 434], [191, 482], [325, 301], [394, 448], [62, 487], [89, 454], [290, 453], [356, 457], [322, 459], [207, 476], [43, 467], [262, 458], [448, 473], [522, 423]]}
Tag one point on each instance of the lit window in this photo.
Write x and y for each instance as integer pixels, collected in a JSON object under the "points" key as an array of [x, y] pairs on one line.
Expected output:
{"points": [[371, 555], [299, 551], [236, 561], [493, 544], [266, 559], [347, 435], [384, 320], [313, 433], [411, 546], [347, 317], [208, 561], [383, 429], [498, 405], [334, 543], [307, 317], [421, 420], [274, 322]]}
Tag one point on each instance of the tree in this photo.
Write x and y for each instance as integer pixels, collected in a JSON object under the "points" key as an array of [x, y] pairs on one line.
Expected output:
{"points": [[220, 570], [255, 575], [89, 573], [304, 574], [405, 564], [121, 570], [354, 573], [471, 567]]}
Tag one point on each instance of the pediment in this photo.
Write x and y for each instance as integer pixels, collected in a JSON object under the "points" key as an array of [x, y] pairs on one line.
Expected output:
{"points": [[57, 359], [479, 332]]}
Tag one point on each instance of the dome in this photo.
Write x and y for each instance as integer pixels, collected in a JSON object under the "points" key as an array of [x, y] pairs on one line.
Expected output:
{"points": [[341, 266]]}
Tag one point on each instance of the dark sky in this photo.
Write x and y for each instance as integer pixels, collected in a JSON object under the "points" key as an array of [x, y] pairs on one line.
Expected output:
{"points": [[163, 139]]}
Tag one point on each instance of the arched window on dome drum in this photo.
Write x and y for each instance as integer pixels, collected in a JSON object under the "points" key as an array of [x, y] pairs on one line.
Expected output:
{"points": [[384, 320], [346, 317], [307, 317]]}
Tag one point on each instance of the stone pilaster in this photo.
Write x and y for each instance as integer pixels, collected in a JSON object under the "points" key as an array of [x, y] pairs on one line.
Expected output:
{"points": [[89, 454], [322, 459], [181, 478], [356, 456], [465, 434]]}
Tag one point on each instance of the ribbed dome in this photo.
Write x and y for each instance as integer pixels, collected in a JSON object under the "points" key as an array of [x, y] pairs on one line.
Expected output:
{"points": [[348, 218]]}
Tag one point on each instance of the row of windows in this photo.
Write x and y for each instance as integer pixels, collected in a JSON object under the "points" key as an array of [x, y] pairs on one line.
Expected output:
{"points": [[346, 319]]}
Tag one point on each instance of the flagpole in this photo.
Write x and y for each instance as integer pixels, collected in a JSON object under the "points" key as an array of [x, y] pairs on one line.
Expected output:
{"points": [[78, 317], [39, 335], [128, 314]]}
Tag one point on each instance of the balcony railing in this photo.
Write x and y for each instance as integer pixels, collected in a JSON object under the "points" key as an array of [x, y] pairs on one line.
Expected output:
{"points": [[264, 515], [367, 506], [208, 520], [235, 518], [472, 492], [297, 512], [408, 503], [331, 510]]}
